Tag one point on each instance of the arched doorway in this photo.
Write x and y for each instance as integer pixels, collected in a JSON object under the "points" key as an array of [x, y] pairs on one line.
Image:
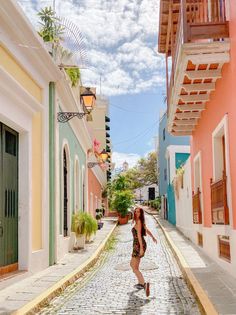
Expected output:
{"points": [[76, 187], [83, 189], [65, 192]]}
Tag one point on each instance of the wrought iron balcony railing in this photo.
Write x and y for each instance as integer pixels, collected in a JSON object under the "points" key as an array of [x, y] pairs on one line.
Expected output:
{"points": [[219, 206]]}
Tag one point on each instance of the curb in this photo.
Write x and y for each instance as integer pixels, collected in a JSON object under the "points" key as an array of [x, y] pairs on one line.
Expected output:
{"points": [[49, 294], [205, 303]]}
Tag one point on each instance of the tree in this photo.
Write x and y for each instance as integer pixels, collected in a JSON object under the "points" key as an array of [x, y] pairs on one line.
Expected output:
{"points": [[145, 173], [50, 30]]}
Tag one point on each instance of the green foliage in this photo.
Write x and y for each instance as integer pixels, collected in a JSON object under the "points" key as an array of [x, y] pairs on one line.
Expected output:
{"points": [[74, 75], [78, 223], [50, 30], [110, 245], [91, 225], [83, 223], [156, 204], [145, 173], [180, 170], [122, 200], [121, 182]]}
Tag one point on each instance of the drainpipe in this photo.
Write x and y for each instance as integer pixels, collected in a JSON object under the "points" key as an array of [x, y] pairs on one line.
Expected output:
{"points": [[51, 174]]}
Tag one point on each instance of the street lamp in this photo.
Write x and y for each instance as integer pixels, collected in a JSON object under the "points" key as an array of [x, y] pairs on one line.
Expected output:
{"points": [[103, 156], [87, 99]]}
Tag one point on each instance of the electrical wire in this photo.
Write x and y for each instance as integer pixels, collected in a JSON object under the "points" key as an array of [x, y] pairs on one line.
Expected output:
{"points": [[131, 145], [142, 133], [126, 110]]}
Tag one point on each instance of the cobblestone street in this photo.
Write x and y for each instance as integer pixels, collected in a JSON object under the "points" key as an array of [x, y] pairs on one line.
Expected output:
{"points": [[109, 287]]}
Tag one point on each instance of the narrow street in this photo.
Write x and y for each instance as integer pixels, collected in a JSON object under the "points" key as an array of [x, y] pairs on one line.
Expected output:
{"points": [[109, 287]]}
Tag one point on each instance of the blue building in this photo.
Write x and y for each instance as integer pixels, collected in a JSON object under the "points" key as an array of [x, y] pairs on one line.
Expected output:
{"points": [[165, 179]]}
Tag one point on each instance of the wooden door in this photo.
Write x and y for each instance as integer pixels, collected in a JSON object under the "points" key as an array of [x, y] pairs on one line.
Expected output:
{"points": [[8, 196]]}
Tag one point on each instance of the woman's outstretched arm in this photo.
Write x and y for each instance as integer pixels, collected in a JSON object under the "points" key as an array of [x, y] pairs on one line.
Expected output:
{"points": [[150, 234]]}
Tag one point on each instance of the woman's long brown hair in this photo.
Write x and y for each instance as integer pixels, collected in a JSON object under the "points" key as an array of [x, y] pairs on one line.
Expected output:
{"points": [[142, 219]]}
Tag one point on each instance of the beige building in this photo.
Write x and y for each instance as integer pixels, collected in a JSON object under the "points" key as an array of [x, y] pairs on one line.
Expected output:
{"points": [[101, 128]]}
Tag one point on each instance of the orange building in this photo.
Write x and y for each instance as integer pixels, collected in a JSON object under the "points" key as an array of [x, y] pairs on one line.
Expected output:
{"points": [[94, 191], [198, 39]]}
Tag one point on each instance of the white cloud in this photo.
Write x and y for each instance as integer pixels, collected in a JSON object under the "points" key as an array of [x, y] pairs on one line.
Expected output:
{"points": [[121, 39], [119, 158]]}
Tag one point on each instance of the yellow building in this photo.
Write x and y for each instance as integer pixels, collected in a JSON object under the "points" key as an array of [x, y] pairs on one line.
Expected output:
{"points": [[26, 69]]}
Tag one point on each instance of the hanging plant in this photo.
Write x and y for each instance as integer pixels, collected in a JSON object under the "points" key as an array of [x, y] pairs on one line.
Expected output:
{"points": [[74, 75]]}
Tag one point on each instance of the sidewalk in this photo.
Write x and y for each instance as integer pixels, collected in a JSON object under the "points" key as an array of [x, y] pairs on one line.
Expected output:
{"points": [[214, 287], [28, 291]]}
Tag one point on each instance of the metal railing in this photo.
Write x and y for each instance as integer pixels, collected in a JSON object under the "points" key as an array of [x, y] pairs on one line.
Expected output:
{"points": [[197, 20], [219, 206], [197, 213]]}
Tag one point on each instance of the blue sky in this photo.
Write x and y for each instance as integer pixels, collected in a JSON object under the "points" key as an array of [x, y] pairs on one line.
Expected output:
{"points": [[120, 37]]}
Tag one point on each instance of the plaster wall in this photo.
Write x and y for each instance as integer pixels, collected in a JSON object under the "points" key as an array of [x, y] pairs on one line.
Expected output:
{"points": [[220, 108]]}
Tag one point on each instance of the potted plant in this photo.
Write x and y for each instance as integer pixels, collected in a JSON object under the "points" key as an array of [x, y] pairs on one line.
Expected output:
{"points": [[91, 227], [78, 226], [98, 218], [122, 201]]}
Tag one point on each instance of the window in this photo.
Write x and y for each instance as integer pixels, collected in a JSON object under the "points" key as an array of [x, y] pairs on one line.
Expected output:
{"points": [[91, 203], [11, 143], [197, 191], [164, 134], [224, 247], [165, 174], [219, 183], [77, 201]]}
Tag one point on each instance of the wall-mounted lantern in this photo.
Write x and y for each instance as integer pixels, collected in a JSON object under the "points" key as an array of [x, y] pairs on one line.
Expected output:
{"points": [[103, 156], [87, 100]]}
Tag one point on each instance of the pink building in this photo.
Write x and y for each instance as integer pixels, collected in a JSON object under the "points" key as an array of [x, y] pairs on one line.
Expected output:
{"points": [[94, 191], [199, 41]]}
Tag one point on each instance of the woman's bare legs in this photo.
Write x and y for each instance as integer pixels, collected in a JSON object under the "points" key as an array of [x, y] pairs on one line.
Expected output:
{"points": [[134, 263]]}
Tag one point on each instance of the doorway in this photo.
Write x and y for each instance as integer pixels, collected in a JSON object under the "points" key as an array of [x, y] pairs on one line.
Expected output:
{"points": [[8, 199]]}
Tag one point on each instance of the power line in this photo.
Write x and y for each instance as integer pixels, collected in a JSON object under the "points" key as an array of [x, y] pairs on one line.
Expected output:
{"points": [[127, 110], [142, 133], [131, 145]]}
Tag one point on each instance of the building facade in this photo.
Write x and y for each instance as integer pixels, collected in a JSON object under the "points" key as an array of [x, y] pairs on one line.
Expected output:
{"points": [[166, 140], [25, 74], [201, 104], [44, 175], [176, 156]]}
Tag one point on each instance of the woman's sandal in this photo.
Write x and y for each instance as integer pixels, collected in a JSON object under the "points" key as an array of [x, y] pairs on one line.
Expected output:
{"points": [[147, 288], [139, 286]]}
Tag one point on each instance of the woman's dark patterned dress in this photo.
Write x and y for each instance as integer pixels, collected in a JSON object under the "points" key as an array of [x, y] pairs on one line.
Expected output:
{"points": [[136, 245]]}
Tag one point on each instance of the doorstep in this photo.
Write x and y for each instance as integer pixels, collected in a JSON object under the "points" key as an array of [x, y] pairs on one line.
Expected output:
{"points": [[23, 295]]}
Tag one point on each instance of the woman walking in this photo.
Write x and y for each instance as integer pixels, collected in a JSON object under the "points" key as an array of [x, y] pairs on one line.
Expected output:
{"points": [[140, 230]]}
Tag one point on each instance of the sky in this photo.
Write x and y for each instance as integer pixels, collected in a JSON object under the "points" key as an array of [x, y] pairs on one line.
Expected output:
{"points": [[119, 40]]}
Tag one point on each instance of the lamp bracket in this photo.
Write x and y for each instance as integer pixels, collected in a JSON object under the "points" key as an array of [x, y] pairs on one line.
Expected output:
{"points": [[66, 116], [92, 164]]}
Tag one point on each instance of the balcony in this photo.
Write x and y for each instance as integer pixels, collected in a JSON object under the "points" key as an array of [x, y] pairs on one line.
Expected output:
{"points": [[197, 213], [219, 206], [224, 247], [195, 34]]}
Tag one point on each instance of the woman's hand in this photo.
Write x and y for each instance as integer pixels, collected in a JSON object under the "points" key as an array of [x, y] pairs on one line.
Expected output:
{"points": [[154, 239], [141, 253]]}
